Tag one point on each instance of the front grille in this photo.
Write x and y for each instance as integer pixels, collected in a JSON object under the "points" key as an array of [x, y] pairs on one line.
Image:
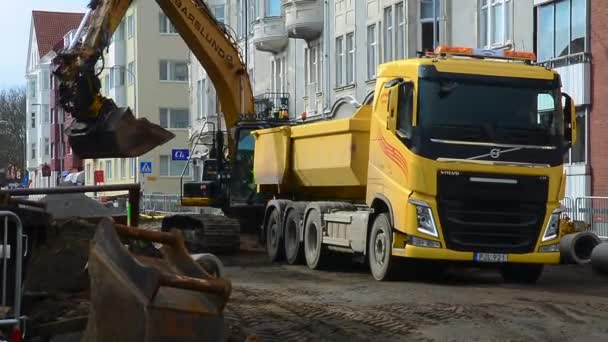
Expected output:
{"points": [[494, 214]]}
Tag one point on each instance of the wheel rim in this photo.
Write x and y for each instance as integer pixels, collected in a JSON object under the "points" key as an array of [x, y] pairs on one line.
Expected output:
{"points": [[311, 239], [380, 248]]}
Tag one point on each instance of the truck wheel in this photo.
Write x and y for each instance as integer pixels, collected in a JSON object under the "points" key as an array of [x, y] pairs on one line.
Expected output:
{"points": [[380, 248], [274, 239], [293, 246], [521, 273], [313, 240]]}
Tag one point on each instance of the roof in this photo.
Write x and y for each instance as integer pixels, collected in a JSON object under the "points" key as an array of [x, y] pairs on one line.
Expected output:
{"points": [[50, 27]]}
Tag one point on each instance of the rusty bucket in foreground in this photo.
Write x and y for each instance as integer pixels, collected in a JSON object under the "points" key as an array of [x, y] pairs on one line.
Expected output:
{"points": [[137, 298], [116, 134]]}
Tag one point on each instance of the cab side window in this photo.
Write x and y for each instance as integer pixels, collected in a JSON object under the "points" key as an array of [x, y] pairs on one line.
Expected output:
{"points": [[405, 109]]}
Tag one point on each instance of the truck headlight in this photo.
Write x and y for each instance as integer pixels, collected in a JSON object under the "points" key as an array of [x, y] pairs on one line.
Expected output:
{"points": [[552, 228], [424, 213]]}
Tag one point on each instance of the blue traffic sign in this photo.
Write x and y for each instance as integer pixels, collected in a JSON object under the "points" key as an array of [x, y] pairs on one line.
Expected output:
{"points": [[145, 167], [180, 154], [26, 179]]}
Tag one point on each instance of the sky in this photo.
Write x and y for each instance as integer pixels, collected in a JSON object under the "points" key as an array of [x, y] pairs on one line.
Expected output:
{"points": [[15, 21]]}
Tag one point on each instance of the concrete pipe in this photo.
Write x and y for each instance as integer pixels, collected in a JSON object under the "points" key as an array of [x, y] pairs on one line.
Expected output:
{"points": [[599, 258], [576, 248], [210, 263]]}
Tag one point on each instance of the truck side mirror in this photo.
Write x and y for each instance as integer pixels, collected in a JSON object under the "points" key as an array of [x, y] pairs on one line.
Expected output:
{"points": [[569, 120]]}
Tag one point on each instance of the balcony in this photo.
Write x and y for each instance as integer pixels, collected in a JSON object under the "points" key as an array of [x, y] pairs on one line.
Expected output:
{"points": [[303, 18], [269, 34], [270, 107]]}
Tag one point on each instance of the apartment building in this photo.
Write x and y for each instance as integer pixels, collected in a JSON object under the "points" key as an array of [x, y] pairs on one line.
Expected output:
{"points": [[146, 69], [49, 32]]}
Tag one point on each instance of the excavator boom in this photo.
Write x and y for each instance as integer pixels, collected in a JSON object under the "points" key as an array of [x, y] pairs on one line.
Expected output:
{"points": [[103, 130]]}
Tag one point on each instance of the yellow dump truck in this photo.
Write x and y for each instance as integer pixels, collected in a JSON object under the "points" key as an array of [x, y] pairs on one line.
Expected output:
{"points": [[457, 156]]}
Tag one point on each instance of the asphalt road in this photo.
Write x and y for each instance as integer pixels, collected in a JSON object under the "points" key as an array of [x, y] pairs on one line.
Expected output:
{"points": [[278, 302]]}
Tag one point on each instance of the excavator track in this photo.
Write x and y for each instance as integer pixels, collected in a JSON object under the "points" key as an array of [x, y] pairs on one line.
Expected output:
{"points": [[206, 233]]}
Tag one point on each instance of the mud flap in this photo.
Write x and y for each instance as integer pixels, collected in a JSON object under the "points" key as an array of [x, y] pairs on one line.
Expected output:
{"points": [[137, 298], [118, 134]]}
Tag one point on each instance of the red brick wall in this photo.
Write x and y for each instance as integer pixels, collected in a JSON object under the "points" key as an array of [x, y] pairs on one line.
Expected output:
{"points": [[598, 118]]}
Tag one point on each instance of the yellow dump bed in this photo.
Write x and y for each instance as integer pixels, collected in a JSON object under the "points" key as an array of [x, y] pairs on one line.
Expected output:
{"points": [[326, 158]]}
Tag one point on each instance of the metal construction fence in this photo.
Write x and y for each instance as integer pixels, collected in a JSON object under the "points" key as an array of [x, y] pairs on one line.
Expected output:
{"points": [[163, 204], [593, 211], [12, 253]]}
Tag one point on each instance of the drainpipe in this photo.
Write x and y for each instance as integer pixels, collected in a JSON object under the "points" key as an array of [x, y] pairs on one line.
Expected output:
{"points": [[327, 91]]}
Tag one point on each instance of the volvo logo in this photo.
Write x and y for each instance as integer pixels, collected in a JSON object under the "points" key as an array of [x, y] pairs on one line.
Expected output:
{"points": [[495, 153]]}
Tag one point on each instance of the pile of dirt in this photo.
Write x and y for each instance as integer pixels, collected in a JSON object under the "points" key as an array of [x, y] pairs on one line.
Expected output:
{"points": [[58, 265], [58, 307]]}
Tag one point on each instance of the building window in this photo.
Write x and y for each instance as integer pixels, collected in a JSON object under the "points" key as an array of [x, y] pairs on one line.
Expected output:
{"points": [[46, 147], [166, 27], [173, 71], [172, 168], [339, 61], [388, 34], [44, 80], [495, 17], [562, 29], [53, 152], [119, 34], [219, 11], [123, 168], [33, 150], [33, 120], [174, 118], [132, 167], [277, 83], [239, 19], [201, 97], [273, 8], [32, 88], [372, 52], [130, 26], [400, 31], [426, 23], [108, 170], [46, 113], [312, 68], [88, 175], [350, 58], [131, 72], [106, 82], [117, 77]]}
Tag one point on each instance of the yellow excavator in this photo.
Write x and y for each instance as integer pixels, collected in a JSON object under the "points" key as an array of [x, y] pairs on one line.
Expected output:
{"points": [[101, 129]]}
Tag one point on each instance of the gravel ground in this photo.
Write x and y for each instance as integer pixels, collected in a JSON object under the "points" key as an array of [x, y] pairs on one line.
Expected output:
{"points": [[276, 302]]}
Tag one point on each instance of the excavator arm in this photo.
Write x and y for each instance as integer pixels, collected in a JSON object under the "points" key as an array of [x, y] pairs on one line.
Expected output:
{"points": [[101, 129]]}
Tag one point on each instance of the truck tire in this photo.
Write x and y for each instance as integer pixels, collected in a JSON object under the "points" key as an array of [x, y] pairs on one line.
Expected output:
{"points": [[294, 251], [274, 238], [381, 262], [313, 240], [521, 273]]}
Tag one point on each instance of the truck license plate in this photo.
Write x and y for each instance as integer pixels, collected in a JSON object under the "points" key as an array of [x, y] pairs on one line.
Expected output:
{"points": [[490, 257]]}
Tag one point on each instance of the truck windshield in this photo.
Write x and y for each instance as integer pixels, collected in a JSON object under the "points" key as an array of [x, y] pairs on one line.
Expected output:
{"points": [[485, 112]]}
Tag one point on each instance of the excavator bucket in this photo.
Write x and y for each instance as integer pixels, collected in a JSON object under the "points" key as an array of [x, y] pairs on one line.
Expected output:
{"points": [[140, 298], [118, 134]]}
